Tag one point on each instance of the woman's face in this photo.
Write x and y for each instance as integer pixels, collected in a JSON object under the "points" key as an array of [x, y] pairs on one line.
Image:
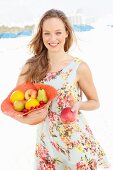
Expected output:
{"points": [[54, 34]]}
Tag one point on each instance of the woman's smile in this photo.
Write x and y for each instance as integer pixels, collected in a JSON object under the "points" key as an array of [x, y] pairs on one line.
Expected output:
{"points": [[53, 45]]}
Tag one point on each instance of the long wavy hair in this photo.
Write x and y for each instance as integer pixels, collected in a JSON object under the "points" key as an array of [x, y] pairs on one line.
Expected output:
{"points": [[39, 64]]}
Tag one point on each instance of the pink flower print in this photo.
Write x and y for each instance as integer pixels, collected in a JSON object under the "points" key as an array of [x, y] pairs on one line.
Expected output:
{"points": [[93, 164], [61, 101], [88, 129], [42, 165], [81, 166], [66, 140], [50, 166], [50, 76], [66, 74], [77, 143], [47, 165], [66, 99], [42, 152], [52, 116], [55, 145]]}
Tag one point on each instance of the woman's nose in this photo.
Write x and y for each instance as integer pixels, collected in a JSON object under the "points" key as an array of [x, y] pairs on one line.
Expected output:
{"points": [[53, 37]]}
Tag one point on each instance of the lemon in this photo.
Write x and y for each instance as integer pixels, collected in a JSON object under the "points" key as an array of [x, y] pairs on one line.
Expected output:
{"points": [[31, 103], [16, 95]]}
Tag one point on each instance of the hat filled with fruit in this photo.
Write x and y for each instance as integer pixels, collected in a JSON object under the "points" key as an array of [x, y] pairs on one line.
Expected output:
{"points": [[26, 98]]}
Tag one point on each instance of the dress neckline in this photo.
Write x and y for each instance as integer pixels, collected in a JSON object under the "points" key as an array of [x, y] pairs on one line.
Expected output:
{"points": [[55, 72]]}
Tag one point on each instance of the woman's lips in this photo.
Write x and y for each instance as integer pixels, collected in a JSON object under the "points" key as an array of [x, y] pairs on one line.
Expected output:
{"points": [[53, 44]]}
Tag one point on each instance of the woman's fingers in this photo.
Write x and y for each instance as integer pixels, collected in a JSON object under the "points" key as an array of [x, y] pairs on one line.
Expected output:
{"points": [[76, 106]]}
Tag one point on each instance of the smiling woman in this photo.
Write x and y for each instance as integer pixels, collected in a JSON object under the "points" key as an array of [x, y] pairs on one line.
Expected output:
{"points": [[62, 145]]}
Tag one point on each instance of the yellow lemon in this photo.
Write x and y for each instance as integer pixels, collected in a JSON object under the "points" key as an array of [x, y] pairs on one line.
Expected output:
{"points": [[31, 103], [16, 95]]}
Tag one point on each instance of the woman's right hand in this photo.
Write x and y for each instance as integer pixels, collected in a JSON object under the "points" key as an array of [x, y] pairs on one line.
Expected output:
{"points": [[34, 116]]}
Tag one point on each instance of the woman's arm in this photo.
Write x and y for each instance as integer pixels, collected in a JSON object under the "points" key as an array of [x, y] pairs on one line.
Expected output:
{"points": [[85, 82], [22, 78], [34, 116]]}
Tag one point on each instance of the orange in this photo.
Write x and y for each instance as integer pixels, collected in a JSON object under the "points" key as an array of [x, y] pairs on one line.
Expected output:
{"points": [[16, 95], [31, 103]]}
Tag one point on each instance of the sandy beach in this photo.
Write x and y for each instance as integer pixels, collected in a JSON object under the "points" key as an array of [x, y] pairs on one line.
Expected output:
{"points": [[17, 140]]}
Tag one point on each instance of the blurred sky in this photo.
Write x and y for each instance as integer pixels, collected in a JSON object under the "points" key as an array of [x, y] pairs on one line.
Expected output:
{"points": [[26, 11]]}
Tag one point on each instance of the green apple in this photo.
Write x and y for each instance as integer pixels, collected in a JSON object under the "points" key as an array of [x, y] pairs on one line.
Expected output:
{"points": [[19, 105]]}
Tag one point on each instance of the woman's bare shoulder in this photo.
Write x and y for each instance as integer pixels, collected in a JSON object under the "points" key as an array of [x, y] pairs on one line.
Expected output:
{"points": [[83, 71], [83, 66]]}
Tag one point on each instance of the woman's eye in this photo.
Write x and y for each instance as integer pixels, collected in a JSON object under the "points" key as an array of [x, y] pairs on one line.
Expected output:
{"points": [[58, 33], [46, 33]]}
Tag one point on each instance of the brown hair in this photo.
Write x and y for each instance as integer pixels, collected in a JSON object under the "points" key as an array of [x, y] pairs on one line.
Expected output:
{"points": [[38, 64]]}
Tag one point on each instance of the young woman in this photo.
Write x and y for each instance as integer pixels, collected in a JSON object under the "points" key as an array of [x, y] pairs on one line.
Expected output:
{"points": [[62, 146]]}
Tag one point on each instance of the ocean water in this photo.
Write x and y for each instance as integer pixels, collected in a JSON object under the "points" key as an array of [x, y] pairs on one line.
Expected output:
{"points": [[17, 140], [15, 35], [81, 28], [77, 28]]}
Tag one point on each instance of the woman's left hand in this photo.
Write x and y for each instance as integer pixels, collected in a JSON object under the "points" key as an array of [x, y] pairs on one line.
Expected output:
{"points": [[76, 106]]}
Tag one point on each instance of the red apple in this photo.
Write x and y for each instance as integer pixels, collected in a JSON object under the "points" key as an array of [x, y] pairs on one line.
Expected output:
{"points": [[31, 93], [67, 116]]}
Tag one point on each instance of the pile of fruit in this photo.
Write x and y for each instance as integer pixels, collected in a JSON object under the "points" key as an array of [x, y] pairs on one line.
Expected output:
{"points": [[28, 100]]}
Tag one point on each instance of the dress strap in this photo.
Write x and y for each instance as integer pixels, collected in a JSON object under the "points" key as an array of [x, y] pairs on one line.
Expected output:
{"points": [[77, 61]]}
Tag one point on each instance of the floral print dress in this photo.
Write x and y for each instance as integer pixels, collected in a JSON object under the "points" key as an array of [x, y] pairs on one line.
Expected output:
{"points": [[66, 146]]}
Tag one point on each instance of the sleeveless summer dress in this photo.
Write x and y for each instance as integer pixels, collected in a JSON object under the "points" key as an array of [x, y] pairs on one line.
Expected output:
{"points": [[66, 146]]}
